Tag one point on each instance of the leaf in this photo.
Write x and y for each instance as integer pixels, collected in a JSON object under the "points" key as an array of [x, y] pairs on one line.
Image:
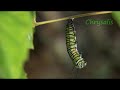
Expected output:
{"points": [[30, 35], [116, 16], [15, 26]]}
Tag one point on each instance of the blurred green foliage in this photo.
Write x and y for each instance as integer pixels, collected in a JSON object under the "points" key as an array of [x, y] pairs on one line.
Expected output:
{"points": [[116, 16], [15, 41]]}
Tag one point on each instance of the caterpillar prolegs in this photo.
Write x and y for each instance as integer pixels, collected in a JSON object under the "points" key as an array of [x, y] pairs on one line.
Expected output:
{"points": [[71, 45]]}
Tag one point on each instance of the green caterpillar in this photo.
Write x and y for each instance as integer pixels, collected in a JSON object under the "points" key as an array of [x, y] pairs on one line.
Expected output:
{"points": [[71, 45]]}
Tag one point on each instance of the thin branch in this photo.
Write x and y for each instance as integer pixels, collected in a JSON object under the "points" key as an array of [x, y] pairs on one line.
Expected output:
{"points": [[74, 16]]}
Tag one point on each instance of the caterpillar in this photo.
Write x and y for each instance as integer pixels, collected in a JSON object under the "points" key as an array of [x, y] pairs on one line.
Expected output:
{"points": [[71, 44]]}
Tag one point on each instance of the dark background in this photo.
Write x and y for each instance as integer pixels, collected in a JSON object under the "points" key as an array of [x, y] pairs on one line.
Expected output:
{"points": [[99, 45]]}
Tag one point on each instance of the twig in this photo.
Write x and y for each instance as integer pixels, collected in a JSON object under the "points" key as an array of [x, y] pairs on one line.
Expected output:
{"points": [[74, 16]]}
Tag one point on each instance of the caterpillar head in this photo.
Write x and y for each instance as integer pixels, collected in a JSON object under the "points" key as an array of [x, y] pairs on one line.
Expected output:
{"points": [[81, 64]]}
